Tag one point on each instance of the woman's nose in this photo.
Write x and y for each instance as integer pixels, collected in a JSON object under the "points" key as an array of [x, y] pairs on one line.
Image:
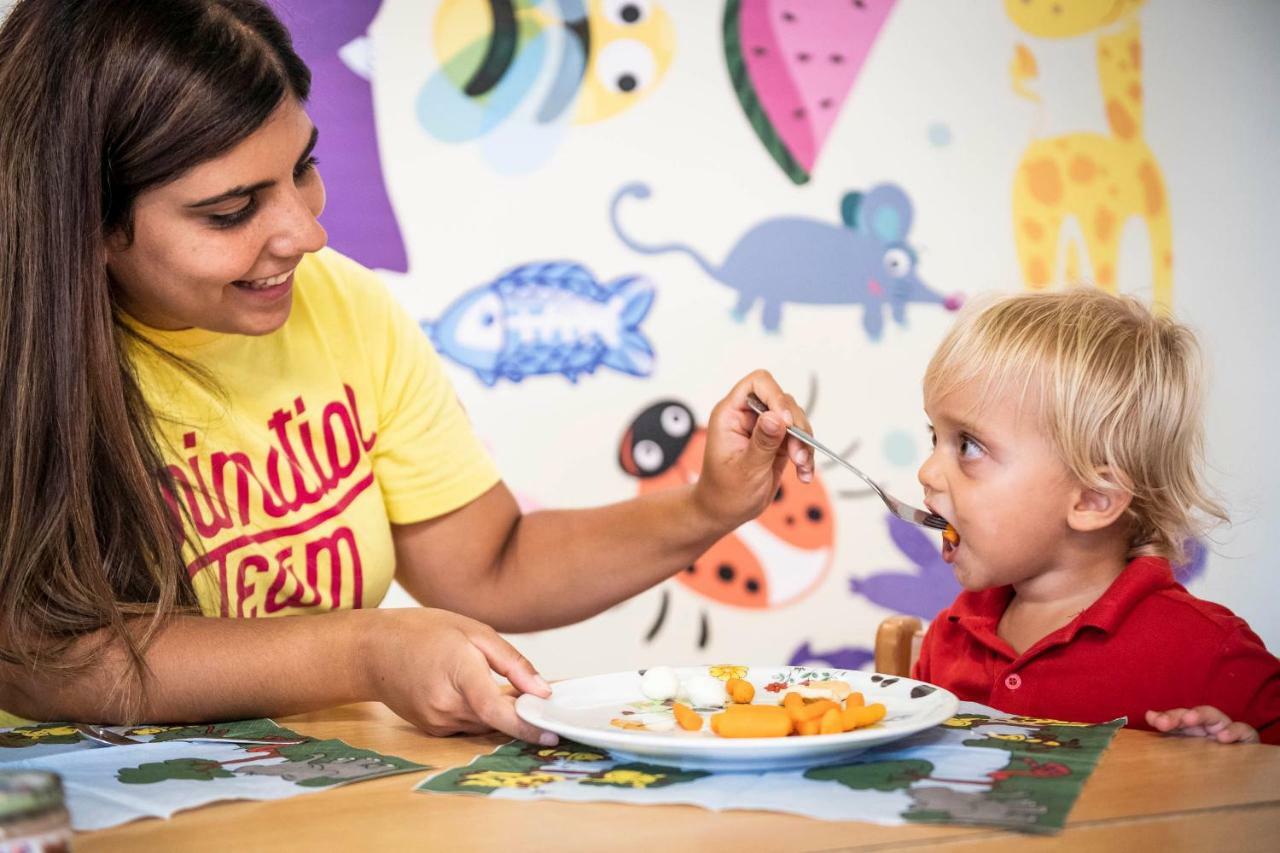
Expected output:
{"points": [[299, 231]]}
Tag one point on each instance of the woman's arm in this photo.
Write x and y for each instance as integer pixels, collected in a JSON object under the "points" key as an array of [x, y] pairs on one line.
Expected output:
{"points": [[429, 666], [554, 567]]}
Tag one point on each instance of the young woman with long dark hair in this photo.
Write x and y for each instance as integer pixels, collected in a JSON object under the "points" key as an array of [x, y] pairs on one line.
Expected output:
{"points": [[204, 413]]}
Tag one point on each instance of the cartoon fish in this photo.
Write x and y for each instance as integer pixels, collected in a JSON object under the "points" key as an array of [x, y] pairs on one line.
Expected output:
{"points": [[516, 73], [551, 317]]}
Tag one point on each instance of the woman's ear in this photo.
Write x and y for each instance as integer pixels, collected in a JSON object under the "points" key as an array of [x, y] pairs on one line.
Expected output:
{"points": [[1098, 508]]}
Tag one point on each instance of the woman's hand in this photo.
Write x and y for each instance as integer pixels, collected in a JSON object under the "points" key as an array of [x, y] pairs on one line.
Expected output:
{"points": [[435, 669], [1202, 721], [746, 454]]}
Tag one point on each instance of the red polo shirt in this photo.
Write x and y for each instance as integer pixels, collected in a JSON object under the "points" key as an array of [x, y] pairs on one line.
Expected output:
{"points": [[1146, 644]]}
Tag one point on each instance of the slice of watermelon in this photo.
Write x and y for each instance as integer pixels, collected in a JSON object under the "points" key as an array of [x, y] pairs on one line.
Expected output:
{"points": [[793, 64]]}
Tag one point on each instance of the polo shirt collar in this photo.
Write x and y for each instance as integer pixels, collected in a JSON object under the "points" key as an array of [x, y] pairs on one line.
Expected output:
{"points": [[979, 612]]}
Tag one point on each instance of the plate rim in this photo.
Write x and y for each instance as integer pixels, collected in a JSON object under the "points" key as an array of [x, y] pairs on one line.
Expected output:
{"points": [[527, 705]]}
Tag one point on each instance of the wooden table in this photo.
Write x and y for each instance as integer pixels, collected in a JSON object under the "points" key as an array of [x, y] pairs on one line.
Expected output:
{"points": [[1148, 792]]}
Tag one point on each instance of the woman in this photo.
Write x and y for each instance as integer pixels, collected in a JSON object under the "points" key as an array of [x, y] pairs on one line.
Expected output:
{"points": [[206, 412]]}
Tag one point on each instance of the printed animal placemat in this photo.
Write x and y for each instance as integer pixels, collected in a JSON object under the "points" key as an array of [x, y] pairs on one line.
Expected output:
{"points": [[980, 767], [110, 785]]}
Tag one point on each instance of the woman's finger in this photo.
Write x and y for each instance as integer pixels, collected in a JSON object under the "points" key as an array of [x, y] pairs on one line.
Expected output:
{"points": [[496, 709], [506, 660]]}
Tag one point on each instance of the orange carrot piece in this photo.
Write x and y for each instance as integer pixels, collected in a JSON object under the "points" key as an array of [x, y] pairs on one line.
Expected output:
{"points": [[808, 727], [857, 717], [740, 691], [830, 724], [951, 535], [687, 718], [812, 711], [792, 700], [752, 721], [855, 700]]}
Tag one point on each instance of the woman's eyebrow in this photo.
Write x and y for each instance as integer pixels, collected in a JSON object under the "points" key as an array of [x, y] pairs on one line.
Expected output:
{"points": [[241, 191]]}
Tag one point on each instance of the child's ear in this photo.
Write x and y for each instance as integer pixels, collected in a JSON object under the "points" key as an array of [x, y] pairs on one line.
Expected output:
{"points": [[1098, 508]]}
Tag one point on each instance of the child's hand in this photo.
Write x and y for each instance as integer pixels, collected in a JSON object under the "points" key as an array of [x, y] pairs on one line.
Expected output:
{"points": [[1202, 721]]}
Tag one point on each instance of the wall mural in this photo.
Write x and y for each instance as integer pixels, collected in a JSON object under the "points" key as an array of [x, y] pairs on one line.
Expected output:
{"points": [[331, 37], [793, 64], [515, 74], [863, 260], [510, 79], [772, 561], [1100, 181], [545, 318]]}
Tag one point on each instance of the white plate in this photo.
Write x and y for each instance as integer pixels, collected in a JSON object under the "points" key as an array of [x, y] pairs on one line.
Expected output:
{"points": [[593, 711]]}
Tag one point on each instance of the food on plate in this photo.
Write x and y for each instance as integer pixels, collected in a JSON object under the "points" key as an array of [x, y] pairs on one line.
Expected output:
{"points": [[834, 690], [704, 691], [857, 716], [687, 718], [660, 683], [740, 691], [752, 721]]}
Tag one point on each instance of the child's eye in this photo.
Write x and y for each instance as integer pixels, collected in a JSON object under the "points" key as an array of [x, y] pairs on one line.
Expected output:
{"points": [[235, 217], [969, 449], [933, 436]]}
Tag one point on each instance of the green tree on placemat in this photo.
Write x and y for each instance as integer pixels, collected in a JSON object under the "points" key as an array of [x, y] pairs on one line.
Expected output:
{"points": [[875, 775], [638, 775], [198, 769]]}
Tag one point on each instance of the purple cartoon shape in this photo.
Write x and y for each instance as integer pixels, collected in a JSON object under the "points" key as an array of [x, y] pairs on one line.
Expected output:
{"points": [[922, 591], [847, 657], [865, 259], [1197, 556], [330, 36]]}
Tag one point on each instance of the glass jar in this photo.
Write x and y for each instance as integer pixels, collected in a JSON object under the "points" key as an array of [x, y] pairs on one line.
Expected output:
{"points": [[33, 813]]}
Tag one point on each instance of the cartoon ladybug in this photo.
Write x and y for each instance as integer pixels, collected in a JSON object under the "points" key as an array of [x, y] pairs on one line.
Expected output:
{"points": [[774, 560]]}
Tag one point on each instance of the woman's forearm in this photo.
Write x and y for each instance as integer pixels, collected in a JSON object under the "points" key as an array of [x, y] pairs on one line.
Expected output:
{"points": [[202, 669], [562, 566]]}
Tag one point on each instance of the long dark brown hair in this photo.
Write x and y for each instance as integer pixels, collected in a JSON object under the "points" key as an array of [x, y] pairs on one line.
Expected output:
{"points": [[100, 100]]}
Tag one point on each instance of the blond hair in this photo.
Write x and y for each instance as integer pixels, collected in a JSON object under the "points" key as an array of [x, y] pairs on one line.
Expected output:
{"points": [[1115, 387]]}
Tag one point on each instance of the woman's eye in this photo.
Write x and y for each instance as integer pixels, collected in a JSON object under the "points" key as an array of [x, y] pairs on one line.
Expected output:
{"points": [[235, 217], [305, 167]]}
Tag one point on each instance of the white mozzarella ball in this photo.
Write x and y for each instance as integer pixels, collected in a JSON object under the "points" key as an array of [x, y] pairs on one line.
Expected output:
{"points": [[703, 691], [660, 683]]}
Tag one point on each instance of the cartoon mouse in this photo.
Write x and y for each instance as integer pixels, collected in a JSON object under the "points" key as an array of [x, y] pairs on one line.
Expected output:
{"points": [[864, 261]]}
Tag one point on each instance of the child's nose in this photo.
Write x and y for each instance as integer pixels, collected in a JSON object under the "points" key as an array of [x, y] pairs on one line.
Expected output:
{"points": [[930, 475]]}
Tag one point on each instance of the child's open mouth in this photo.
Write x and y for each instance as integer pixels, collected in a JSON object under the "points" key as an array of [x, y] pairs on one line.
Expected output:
{"points": [[950, 544]]}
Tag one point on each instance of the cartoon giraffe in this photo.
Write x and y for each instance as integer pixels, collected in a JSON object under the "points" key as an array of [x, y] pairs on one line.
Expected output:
{"points": [[1100, 180]]}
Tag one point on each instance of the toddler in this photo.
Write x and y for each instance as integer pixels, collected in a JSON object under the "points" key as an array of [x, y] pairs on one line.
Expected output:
{"points": [[1067, 451]]}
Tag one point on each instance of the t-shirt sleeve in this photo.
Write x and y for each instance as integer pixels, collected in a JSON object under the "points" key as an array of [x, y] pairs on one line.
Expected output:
{"points": [[427, 459], [1244, 683]]}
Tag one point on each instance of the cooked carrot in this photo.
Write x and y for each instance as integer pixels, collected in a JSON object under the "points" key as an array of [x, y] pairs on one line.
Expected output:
{"points": [[857, 717], [792, 700], [813, 710], [740, 691], [752, 721], [951, 535], [830, 724], [808, 727], [854, 700], [688, 719]]}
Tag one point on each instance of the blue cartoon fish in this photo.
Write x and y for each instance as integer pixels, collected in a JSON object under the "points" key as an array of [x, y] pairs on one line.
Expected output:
{"points": [[549, 317]]}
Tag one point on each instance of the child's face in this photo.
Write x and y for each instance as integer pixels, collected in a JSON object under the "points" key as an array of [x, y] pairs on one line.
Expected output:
{"points": [[994, 475]]}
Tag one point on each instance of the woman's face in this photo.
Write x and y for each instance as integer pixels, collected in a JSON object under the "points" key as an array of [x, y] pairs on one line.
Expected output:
{"points": [[216, 248]]}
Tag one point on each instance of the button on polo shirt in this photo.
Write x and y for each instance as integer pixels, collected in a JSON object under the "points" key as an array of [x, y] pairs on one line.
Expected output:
{"points": [[1145, 644]]}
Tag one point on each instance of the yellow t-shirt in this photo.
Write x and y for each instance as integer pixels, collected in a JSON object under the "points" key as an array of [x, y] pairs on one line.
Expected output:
{"points": [[308, 444]]}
